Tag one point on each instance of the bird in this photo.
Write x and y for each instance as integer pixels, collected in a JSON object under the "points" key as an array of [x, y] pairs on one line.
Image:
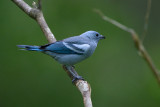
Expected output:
{"points": [[70, 51]]}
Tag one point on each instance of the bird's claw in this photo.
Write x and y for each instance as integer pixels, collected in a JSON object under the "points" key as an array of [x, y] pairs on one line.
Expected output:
{"points": [[77, 78]]}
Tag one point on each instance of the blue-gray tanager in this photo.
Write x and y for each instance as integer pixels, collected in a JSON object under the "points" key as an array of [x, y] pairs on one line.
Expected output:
{"points": [[70, 50]]}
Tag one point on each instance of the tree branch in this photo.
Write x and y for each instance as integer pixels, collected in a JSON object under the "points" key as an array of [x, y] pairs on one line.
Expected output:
{"points": [[83, 87], [36, 13], [137, 43]]}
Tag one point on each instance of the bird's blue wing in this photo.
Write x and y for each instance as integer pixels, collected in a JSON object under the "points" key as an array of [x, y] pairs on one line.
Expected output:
{"points": [[64, 48]]}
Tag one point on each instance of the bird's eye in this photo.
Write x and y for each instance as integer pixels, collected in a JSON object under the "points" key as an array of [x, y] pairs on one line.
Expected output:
{"points": [[97, 35]]}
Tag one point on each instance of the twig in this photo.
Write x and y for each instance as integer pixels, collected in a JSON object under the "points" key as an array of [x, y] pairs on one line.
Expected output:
{"points": [[36, 13], [137, 42], [146, 20]]}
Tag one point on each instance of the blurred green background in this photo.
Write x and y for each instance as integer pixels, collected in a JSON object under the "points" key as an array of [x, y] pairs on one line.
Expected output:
{"points": [[119, 77]]}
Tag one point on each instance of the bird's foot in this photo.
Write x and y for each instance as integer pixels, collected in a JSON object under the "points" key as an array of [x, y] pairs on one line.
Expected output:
{"points": [[77, 78], [73, 66]]}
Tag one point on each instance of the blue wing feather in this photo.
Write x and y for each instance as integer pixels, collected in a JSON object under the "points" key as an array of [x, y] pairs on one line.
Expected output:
{"points": [[60, 48]]}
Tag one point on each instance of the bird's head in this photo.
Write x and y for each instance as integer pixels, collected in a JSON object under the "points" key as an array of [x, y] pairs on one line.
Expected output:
{"points": [[93, 35]]}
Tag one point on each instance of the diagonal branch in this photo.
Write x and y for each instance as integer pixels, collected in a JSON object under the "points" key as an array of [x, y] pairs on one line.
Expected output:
{"points": [[36, 13], [137, 42]]}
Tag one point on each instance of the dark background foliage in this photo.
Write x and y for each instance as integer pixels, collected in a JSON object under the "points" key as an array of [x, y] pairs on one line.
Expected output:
{"points": [[119, 77]]}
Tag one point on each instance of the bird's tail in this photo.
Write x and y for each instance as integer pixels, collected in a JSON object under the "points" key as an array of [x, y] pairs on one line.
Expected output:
{"points": [[29, 47]]}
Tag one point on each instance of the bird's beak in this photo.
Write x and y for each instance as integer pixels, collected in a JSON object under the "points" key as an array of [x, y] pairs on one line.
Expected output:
{"points": [[102, 37]]}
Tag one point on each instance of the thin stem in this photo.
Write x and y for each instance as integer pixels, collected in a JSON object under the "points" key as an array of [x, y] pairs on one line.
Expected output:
{"points": [[137, 42]]}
